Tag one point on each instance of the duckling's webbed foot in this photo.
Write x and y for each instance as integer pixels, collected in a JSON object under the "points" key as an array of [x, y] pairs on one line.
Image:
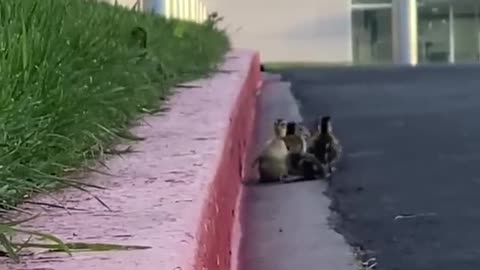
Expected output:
{"points": [[329, 169], [309, 170], [283, 179], [312, 168]]}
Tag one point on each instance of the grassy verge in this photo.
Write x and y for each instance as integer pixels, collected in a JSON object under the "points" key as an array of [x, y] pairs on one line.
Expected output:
{"points": [[74, 76]]}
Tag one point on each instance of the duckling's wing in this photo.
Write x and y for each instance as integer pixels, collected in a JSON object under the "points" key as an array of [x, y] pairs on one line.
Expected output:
{"points": [[295, 143], [338, 149], [304, 130], [289, 141]]}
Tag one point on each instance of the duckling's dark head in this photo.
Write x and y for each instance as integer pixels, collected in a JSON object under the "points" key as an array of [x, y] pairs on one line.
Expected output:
{"points": [[325, 124], [291, 128], [140, 36]]}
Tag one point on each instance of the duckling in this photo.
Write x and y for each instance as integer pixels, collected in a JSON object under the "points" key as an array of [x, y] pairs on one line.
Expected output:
{"points": [[139, 35], [325, 145], [295, 142], [272, 161], [300, 162]]}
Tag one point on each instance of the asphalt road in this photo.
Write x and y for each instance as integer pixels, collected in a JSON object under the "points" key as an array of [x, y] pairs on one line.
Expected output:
{"points": [[286, 226], [412, 146]]}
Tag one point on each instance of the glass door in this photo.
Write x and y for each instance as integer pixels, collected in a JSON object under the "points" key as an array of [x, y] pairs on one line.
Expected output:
{"points": [[433, 31], [466, 31], [449, 31], [372, 32]]}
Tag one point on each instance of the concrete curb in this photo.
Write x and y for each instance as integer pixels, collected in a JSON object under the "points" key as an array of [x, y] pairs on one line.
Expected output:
{"points": [[219, 213]]}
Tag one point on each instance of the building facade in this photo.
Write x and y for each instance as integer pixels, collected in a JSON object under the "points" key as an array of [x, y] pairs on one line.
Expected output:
{"points": [[355, 31], [290, 30], [190, 10], [445, 31], [342, 31]]}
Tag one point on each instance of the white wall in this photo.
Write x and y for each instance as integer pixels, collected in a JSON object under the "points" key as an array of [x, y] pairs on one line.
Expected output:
{"points": [[191, 10], [289, 30], [126, 3]]}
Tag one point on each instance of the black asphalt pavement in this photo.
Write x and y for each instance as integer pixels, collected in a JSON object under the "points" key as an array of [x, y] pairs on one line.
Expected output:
{"points": [[285, 226], [408, 188]]}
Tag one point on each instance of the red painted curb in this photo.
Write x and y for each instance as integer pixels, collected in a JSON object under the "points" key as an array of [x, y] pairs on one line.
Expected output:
{"points": [[214, 241]]}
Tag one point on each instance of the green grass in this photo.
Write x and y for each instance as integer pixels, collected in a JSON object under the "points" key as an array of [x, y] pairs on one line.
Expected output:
{"points": [[73, 78]]}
